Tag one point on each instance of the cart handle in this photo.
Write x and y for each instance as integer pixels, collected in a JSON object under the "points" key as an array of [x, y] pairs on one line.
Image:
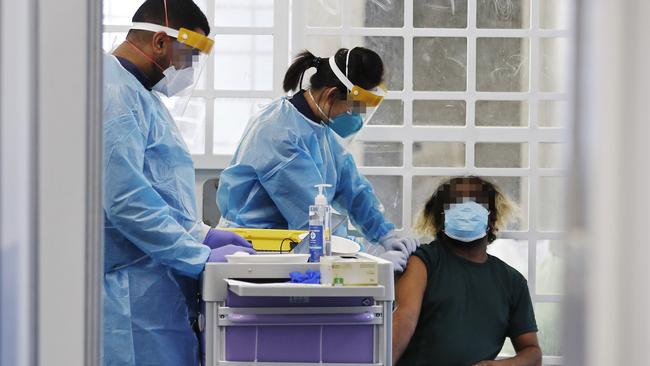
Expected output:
{"points": [[290, 319]]}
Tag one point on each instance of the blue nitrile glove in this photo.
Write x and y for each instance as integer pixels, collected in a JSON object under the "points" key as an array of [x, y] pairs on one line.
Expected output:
{"points": [[219, 238], [391, 241], [397, 257], [219, 254], [310, 276]]}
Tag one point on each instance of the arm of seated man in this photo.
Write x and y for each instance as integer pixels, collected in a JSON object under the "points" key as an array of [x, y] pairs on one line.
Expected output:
{"points": [[409, 295], [528, 353]]}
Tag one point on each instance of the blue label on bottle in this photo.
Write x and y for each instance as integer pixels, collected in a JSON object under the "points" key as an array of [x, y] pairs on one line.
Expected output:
{"points": [[315, 242]]}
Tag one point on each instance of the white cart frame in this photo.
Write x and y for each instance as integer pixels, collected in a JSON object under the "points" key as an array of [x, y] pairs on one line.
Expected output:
{"points": [[218, 278]]}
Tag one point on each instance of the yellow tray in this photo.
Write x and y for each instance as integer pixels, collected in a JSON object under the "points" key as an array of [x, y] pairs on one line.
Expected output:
{"points": [[269, 240]]}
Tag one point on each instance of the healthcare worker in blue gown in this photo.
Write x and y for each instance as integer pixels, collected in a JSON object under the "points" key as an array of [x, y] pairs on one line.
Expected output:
{"points": [[155, 245], [295, 143]]}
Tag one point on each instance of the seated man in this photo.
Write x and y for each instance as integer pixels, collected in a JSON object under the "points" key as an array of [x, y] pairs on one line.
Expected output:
{"points": [[456, 304]]}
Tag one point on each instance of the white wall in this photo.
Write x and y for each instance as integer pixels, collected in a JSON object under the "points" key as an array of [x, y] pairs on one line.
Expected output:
{"points": [[65, 189], [51, 178], [17, 176], [609, 295]]}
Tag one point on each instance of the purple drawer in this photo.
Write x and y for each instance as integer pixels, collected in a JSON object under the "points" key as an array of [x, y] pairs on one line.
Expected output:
{"points": [[240, 343], [280, 343], [348, 343], [300, 338]]}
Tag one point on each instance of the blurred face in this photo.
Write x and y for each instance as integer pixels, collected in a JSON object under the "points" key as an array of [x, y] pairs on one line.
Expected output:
{"points": [[183, 56], [177, 54], [333, 105], [467, 189], [357, 107]]}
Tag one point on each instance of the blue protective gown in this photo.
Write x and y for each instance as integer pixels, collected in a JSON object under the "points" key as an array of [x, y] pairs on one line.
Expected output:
{"points": [[282, 155], [152, 246]]}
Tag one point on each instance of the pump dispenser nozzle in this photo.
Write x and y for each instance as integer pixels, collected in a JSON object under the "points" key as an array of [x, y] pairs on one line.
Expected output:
{"points": [[320, 198]]}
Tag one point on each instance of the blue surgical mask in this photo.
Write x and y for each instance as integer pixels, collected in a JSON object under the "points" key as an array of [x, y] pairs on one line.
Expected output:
{"points": [[346, 124], [466, 222]]}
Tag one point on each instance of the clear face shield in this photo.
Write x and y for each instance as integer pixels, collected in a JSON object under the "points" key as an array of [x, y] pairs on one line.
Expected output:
{"points": [[362, 105], [189, 55]]}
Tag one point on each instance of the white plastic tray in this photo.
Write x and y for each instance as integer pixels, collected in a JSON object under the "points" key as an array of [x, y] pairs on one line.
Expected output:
{"points": [[243, 288], [340, 245], [267, 258]]}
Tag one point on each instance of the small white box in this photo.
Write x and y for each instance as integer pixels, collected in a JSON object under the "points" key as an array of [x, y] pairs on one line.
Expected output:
{"points": [[348, 270]]}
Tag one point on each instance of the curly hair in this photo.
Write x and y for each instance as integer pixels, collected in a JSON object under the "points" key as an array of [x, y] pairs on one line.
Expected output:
{"points": [[502, 209]]}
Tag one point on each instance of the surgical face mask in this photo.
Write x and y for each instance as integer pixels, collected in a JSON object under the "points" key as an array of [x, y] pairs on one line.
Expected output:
{"points": [[466, 222], [174, 81], [346, 124]]}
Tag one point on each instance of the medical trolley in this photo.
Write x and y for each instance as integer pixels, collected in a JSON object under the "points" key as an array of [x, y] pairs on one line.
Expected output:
{"points": [[253, 316]]}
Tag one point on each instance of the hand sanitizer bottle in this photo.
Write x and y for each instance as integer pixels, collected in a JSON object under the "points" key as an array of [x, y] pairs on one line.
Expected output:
{"points": [[319, 226]]}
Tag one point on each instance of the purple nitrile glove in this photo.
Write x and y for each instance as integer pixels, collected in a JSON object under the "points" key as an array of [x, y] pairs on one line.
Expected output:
{"points": [[219, 254], [310, 276], [218, 238]]}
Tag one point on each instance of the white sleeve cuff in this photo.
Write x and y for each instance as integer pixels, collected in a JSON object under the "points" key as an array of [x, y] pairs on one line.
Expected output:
{"points": [[203, 231]]}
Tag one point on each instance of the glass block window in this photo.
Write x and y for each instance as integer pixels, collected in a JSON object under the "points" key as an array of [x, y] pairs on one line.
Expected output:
{"points": [[475, 87]]}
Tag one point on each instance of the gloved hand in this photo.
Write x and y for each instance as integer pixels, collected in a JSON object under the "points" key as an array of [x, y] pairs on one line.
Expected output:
{"points": [[393, 242], [397, 257], [219, 238], [219, 254]]}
